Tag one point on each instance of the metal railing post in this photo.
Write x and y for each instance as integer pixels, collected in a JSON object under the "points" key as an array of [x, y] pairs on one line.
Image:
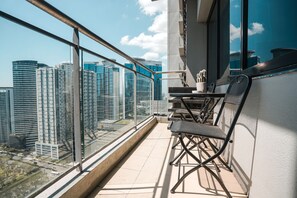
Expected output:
{"points": [[135, 89], [153, 96], [76, 100]]}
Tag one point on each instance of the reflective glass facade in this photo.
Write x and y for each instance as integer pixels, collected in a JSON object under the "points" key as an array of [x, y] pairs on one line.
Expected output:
{"points": [[272, 28]]}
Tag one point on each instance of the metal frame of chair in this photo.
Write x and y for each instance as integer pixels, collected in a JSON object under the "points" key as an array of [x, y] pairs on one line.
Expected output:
{"points": [[236, 95]]}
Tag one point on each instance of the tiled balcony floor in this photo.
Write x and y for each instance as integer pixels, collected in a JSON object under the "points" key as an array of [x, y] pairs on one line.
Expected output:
{"points": [[146, 173]]}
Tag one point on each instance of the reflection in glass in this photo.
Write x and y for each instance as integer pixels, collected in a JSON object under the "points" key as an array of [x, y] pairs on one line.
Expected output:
{"points": [[272, 28], [235, 36], [143, 98], [109, 103]]}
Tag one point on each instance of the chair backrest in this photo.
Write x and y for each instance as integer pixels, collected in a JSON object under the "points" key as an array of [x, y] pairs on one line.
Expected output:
{"points": [[236, 95], [211, 87], [205, 107]]}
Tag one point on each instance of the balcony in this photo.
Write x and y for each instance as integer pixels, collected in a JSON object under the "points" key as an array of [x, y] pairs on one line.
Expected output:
{"points": [[181, 47], [134, 177], [109, 139], [181, 24]]}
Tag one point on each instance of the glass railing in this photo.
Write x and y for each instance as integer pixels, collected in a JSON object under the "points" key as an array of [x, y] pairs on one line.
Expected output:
{"points": [[46, 128]]}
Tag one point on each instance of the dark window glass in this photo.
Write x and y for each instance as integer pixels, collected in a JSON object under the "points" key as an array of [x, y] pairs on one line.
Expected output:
{"points": [[224, 31], [272, 29], [213, 45], [235, 35]]}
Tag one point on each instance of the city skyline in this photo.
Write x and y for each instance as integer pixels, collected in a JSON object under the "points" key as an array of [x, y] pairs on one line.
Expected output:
{"points": [[42, 101]]}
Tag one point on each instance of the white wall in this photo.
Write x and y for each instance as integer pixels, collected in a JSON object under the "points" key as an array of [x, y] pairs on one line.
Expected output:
{"points": [[196, 42], [264, 152]]}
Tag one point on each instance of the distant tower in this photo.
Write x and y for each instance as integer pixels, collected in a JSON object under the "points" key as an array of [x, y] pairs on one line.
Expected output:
{"points": [[6, 113], [24, 84], [155, 66], [143, 87]]}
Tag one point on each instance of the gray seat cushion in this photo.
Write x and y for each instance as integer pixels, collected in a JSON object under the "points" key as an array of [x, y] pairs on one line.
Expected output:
{"points": [[193, 128]]}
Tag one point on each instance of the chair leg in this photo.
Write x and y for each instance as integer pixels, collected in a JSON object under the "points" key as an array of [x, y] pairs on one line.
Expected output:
{"points": [[179, 154], [175, 145], [183, 153], [196, 168], [215, 149], [201, 164]]}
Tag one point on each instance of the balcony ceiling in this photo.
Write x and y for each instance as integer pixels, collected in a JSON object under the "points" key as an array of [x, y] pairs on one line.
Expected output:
{"points": [[203, 10]]}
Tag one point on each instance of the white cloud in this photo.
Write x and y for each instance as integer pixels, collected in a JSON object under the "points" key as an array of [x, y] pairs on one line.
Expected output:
{"points": [[151, 56], [234, 32], [160, 23], [151, 8], [155, 42], [257, 28]]}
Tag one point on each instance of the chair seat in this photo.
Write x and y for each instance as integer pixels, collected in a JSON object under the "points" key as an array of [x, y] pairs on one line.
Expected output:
{"points": [[193, 128]]}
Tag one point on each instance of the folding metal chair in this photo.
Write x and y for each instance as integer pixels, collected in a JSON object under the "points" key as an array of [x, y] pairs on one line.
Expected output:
{"points": [[235, 96], [201, 114]]}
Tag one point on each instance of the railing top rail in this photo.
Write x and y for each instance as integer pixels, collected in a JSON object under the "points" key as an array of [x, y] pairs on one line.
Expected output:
{"points": [[43, 5], [60, 39]]}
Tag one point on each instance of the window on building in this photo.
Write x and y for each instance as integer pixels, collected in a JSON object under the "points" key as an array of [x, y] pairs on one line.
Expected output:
{"points": [[218, 40], [272, 30], [212, 59]]}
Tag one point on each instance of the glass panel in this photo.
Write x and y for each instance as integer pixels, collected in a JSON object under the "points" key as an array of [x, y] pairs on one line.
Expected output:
{"points": [[143, 98], [129, 96], [272, 29], [224, 37], [35, 110], [103, 103], [235, 36]]}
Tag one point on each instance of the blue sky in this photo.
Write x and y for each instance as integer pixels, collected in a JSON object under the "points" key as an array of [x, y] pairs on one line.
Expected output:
{"points": [[134, 26]]}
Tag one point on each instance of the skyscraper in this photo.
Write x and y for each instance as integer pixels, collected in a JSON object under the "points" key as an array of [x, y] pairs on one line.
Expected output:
{"points": [[67, 68], [6, 113], [24, 84], [51, 103], [108, 89], [54, 107], [143, 86], [155, 66]]}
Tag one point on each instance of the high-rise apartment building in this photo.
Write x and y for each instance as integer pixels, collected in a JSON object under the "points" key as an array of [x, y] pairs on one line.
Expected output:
{"points": [[89, 102], [51, 111], [25, 112], [54, 107], [108, 89], [68, 68], [6, 113]]}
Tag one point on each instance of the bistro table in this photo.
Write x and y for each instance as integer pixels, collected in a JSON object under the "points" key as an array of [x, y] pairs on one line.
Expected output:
{"points": [[194, 96]]}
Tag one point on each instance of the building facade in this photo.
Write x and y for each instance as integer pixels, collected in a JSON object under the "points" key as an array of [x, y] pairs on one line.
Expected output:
{"points": [[54, 108], [25, 107], [51, 103], [6, 113], [108, 89], [143, 86], [89, 102]]}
